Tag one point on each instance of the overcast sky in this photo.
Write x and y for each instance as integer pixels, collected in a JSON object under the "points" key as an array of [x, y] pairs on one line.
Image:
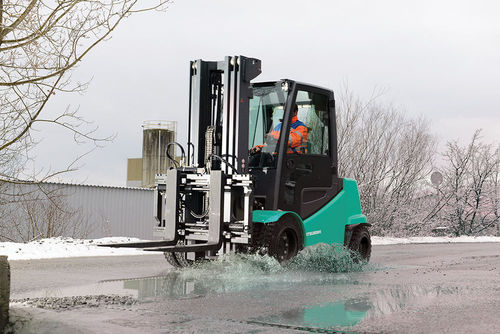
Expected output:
{"points": [[439, 59]]}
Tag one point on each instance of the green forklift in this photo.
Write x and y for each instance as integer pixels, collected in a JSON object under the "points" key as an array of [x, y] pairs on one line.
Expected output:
{"points": [[259, 173]]}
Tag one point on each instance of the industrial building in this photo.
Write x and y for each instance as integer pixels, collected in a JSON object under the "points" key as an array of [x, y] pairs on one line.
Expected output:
{"points": [[38, 210], [155, 138], [32, 211]]}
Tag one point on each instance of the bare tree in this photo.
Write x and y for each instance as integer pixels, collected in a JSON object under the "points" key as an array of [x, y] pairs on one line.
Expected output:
{"points": [[496, 194], [469, 196], [40, 43], [390, 155]]}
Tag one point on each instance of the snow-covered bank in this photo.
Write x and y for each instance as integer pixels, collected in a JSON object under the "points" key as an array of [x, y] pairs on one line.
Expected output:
{"points": [[431, 240], [68, 247], [65, 247]]}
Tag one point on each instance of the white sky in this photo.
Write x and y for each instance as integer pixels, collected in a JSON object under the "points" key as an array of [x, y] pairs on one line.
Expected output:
{"points": [[435, 58]]}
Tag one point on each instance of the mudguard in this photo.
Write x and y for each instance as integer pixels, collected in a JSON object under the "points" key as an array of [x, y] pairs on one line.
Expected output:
{"points": [[271, 216]]}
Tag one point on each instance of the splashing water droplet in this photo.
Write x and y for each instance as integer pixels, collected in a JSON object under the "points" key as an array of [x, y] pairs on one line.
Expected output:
{"points": [[318, 258], [328, 259]]}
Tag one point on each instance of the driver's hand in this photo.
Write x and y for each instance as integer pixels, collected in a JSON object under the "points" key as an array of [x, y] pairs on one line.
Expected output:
{"points": [[255, 149]]}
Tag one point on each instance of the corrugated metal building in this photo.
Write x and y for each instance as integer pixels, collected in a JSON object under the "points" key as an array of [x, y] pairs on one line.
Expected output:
{"points": [[30, 210]]}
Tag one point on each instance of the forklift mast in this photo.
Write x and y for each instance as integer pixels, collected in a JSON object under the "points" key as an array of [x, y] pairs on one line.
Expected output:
{"points": [[218, 112], [207, 204]]}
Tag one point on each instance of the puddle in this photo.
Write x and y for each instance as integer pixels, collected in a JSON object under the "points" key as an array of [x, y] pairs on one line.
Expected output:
{"points": [[328, 316], [169, 286], [318, 265], [349, 312], [352, 301], [177, 285], [192, 284], [102, 288]]}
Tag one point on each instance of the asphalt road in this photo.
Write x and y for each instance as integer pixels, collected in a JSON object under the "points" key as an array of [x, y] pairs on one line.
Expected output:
{"points": [[419, 288]]}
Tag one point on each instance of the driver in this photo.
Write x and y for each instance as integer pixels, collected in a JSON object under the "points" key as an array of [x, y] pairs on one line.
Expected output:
{"points": [[297, 138]]}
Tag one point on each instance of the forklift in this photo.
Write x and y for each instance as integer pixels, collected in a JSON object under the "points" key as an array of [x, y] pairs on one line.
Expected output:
{"points": [[237, 188]]}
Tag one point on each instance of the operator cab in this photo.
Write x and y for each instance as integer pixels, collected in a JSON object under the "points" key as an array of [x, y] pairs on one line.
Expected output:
{"points": [[286, 178]]}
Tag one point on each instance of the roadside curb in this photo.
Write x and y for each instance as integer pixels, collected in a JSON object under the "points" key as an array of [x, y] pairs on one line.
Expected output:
{"points": [[4, 291]]}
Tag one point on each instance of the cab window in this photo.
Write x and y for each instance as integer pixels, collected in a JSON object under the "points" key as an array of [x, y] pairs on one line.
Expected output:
{"points": [[313, 112]]}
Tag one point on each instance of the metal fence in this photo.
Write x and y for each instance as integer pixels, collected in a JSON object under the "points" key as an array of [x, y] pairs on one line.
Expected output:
{"points": [[30, 211]]}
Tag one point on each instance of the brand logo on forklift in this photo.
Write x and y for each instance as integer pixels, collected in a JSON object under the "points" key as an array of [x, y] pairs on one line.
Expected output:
{"points": [[308, 234]]}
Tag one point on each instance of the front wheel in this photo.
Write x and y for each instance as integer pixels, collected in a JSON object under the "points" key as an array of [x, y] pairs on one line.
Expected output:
{"points": [[361, 242], [282, 239], [178, 259]]}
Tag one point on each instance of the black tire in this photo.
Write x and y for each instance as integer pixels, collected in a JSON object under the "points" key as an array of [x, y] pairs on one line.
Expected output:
{"points": [[182, 260], [361, 242], [281, 240], [178, 259], [4, 292], [170, 257]]}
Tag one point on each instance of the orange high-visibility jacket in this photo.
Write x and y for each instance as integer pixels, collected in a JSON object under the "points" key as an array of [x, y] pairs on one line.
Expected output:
{"points": [[297, 139]]}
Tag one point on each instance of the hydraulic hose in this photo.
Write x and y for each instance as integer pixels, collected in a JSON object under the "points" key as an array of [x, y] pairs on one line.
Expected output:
{"points": [[172, 159]]}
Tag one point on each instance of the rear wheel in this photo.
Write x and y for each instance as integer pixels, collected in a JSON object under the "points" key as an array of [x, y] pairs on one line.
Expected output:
{"points": [[361, 242]]}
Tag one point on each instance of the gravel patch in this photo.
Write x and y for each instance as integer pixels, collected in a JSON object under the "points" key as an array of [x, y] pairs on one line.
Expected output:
{"points": [[67, 303]]}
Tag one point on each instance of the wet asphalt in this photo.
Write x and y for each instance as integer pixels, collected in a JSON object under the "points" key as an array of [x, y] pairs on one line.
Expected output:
{"points": [[419, 288]]}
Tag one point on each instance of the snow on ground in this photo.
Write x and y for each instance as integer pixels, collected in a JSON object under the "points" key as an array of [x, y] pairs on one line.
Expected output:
{"points": [[68, 247], [431, 240], [65, 247]]}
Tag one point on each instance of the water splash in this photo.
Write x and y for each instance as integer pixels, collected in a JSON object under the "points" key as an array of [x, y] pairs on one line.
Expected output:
{"points": [[327, 259], [240, 263], [234, 272], [237, 272], [320, 264], [321, 258]]}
